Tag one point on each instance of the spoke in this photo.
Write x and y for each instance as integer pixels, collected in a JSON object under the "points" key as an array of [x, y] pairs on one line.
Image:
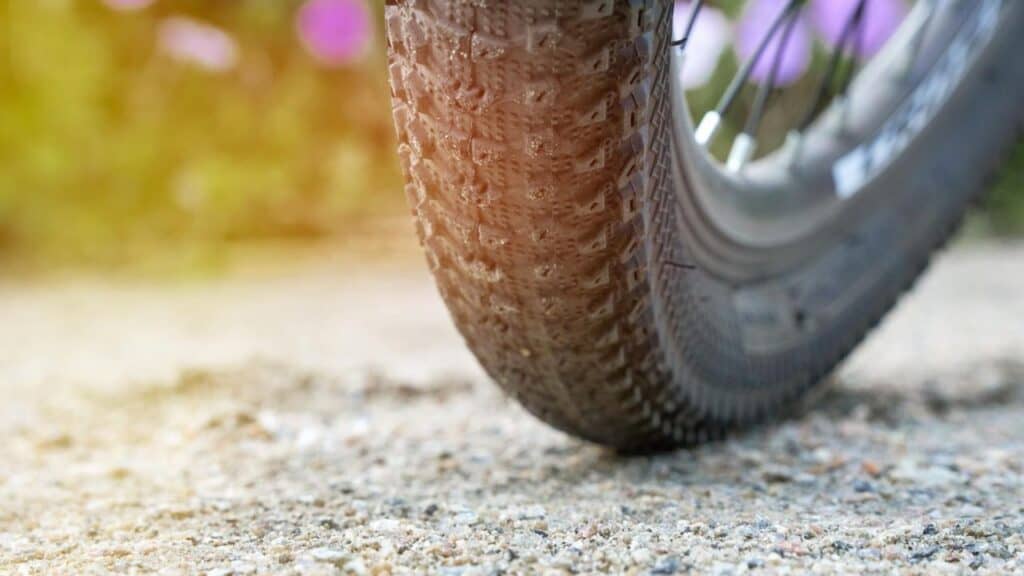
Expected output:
{"points": [[834, 85], [853, 23], [853, 64], [745, 145], [711, 121], [690, 23]]}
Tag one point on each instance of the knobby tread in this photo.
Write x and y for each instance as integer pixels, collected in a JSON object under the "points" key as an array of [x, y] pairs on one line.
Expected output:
{"points": [[535, 243]]}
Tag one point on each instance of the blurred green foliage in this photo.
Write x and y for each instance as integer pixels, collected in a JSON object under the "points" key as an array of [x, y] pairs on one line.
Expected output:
{"points": [[108, 149], [1004, 206]]}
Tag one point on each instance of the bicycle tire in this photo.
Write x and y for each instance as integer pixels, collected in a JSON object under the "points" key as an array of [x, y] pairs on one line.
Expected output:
{"points": [[565, 238]]}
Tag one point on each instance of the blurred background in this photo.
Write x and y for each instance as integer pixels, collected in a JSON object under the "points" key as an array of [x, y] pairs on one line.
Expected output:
{"points": [[135, 131], [221, 351]]}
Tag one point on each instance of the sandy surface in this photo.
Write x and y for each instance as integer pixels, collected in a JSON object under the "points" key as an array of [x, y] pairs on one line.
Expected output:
{"points": [[330, 421]]}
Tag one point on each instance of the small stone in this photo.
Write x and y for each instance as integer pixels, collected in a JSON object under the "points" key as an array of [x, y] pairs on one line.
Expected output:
{"points": [[389, 525], [356, 567], [863, 486], [805, 479], [118, 552], [532, 512], [1000, 551], [666, 565], [60, 441], [588, 530], [242, 568], [337, 558], [869, 554], [777, 476], [978, 530], [179, 513], [926, 476], [924, 553], [641, 555], [464, 516], [329, 523], [871, 468]]}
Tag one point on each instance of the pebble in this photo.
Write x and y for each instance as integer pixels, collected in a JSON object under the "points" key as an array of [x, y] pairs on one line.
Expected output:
{"points": [[863, 486], [666, 565], [924, 553], [925, 476], [531, 512], [330, 556]]}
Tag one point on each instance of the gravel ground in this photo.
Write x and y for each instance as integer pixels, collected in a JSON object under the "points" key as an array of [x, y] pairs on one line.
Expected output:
{"points": [[323, 422]]}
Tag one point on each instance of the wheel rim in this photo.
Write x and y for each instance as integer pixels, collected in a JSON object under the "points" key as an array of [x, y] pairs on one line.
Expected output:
{"points": [[795, 191]]}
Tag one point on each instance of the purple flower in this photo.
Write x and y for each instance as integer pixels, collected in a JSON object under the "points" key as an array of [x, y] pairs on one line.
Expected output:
{"points": [[881, 19], [336, 32], [826, 18], [710, 36], [754, 25], [198, 43]]}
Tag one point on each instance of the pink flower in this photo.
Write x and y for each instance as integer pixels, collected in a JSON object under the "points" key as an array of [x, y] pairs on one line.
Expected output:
{"points": [[711, 34], [825, 19], [881, 19], [127, 5], [198, 43], [754, 26], [336, 32]]}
